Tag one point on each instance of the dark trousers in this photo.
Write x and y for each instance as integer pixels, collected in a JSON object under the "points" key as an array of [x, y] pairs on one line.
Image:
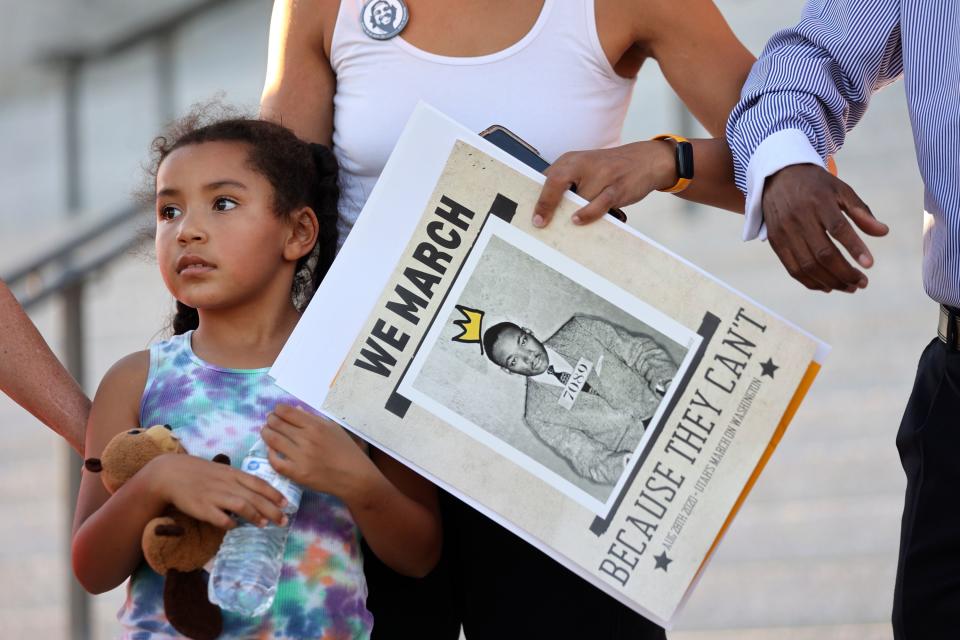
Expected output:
{"points": [[927, 591], [499, 587]]}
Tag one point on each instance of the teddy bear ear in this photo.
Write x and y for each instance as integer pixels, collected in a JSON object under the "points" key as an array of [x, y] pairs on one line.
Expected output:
{"points": [[221, 458], [93, 465]]}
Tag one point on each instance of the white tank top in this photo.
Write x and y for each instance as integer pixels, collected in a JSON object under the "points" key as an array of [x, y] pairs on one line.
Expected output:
{"points": [[555, 88]]}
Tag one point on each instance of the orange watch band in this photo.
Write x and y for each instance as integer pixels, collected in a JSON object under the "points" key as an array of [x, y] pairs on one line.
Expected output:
{"points": [[684, 162]]}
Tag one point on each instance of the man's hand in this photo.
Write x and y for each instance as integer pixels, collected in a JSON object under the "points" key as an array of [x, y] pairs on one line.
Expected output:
{"points": [[609, 468], [804, 206], [607, 178], [661, 387]]}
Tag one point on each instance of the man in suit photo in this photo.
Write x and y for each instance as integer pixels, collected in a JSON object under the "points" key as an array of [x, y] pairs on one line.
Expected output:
{"points": [[596, 422]]}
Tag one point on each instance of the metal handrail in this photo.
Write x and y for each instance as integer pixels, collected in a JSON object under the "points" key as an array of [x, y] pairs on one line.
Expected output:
{"points": [[68, 245], [132, 38], [74, 261], [77, 259], [67, 256]]}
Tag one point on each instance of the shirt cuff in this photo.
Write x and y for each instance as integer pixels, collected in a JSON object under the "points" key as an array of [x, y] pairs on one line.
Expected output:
{"points": [[781, 149]]}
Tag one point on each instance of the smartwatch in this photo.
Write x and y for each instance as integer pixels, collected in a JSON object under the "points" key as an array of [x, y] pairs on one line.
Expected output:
{"points": [[684, 159]]}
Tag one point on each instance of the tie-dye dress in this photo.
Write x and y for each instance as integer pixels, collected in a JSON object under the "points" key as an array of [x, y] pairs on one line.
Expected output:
{"points": [[322, 592]]}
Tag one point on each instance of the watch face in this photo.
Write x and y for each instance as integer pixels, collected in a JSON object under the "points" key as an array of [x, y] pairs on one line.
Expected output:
{"points": [[685, 160]]}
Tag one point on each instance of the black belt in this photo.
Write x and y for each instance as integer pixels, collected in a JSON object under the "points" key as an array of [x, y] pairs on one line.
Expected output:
{"points": [[949, 328]]}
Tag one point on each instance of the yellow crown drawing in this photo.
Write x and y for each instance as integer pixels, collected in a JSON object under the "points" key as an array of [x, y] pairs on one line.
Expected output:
{"points": [[470, 325]]}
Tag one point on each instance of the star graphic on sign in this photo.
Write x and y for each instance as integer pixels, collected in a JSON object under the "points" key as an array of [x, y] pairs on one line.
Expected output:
{"points": [[768, 367], [662, 561]]}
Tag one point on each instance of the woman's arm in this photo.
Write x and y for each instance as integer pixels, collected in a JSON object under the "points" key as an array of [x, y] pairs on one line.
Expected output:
{"points": [[623, 175], [699, 55], [298, 91], [35, 379], [395, 508], [706, 66], [107, 529]]}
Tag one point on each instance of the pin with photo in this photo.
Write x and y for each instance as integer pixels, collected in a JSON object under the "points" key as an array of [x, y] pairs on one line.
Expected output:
{"points": [[384, 19]]}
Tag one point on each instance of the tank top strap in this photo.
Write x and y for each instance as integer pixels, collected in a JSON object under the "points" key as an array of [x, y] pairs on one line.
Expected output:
{"points": [[163, 355], [348, 36], [574, 23]]}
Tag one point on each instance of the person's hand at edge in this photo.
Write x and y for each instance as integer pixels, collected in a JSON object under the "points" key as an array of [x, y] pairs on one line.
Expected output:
{"points": [[804, 206], [607, 178]]}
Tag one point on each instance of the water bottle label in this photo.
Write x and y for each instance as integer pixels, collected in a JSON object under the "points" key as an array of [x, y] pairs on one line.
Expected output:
{"points": [[261, 468]]}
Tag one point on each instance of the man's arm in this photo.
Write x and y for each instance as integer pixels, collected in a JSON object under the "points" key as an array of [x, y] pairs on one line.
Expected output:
{"points": [[640, 352], [813, 84], [35, 379], [588, 457]]}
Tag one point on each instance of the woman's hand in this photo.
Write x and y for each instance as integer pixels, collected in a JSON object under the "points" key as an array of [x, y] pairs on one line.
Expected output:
{"points": [[624, 175], [213, 492], [317, 453], [608, 178]]}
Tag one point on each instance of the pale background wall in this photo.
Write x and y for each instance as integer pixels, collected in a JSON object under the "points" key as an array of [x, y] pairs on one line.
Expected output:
{"points": [[813, 553]]}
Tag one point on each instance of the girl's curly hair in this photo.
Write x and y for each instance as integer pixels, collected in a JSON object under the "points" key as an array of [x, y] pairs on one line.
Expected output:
{"points": [[301, 174]]}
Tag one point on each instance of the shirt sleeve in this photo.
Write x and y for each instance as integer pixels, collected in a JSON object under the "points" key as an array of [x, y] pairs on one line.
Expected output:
{"points": [[638, 351], [813, 82]]}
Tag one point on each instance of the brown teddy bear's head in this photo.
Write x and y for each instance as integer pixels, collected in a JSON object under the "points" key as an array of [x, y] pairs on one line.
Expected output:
{"points": [[130, 451]]}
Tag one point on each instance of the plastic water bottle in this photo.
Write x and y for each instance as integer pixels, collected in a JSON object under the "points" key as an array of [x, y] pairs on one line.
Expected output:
{"points": [[247, 567]]}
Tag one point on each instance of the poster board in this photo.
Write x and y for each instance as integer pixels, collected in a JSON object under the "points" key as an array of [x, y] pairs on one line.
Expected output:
{"points": [[593, 392]]}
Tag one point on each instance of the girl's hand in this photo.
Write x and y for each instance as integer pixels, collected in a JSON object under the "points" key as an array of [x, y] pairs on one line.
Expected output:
{"points": [[213, 492], [317, 453]]}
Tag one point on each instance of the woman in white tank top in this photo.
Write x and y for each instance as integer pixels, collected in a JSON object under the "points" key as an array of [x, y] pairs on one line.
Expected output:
{"points": [[559, 73]]}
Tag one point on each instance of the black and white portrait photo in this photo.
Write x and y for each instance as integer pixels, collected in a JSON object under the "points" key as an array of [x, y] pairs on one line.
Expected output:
{"points": [[547, 371], [607, 408]]}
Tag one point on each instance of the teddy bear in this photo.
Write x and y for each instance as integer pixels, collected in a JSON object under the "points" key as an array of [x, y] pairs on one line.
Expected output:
{"points": [[174, 544]]}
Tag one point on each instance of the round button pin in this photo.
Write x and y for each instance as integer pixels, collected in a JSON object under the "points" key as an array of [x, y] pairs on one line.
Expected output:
{"points": [[384, 19]]}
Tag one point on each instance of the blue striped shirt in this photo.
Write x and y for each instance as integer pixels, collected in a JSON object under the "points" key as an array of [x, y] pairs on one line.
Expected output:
{"points": [[814, 82]]}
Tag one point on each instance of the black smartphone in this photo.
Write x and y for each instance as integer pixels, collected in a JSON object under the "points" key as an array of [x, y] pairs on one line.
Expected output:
{"points": [[525, 153]]}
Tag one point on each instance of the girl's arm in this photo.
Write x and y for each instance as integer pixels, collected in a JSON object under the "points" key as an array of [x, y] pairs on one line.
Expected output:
{"points": [[400, 518], [298, 91], [107, 529], [35, 379], [396, 509]]}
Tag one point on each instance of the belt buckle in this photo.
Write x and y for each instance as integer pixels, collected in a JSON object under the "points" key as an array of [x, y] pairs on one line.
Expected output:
{"points": [[949, 320]]}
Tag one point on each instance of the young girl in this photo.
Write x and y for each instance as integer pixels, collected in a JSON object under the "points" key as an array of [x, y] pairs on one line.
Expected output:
{"points": [[245, 231]]}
